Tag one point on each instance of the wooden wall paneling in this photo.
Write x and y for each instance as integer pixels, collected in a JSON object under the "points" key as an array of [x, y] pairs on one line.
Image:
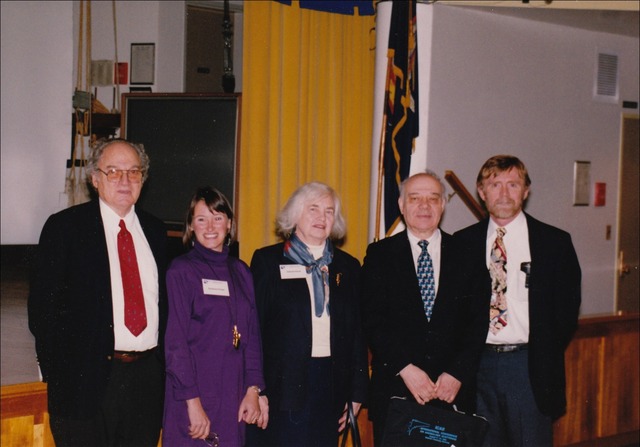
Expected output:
{"points": [[17, 431], [620, 372], [25, 399], [582, 359], [603, 391], [42, 434], [366, 428], [25, 421]]}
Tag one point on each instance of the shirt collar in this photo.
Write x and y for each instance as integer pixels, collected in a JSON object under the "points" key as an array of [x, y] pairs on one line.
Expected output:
{"points": [[111, 219], [515, 224], [434, 239]]}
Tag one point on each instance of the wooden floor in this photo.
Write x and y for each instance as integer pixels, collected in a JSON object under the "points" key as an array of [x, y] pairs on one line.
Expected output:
{"points": [[17, 348]]}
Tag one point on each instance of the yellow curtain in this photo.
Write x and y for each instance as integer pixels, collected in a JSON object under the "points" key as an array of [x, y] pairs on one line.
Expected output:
{"points": [[306, 115]]}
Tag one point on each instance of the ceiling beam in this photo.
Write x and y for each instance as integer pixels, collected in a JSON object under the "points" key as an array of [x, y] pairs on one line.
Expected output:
{"points": [[615, 5]]}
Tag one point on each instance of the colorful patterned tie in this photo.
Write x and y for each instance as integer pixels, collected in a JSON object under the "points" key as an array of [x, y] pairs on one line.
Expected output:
{"points": [[425, 279], [498, 272], [135, 317]]}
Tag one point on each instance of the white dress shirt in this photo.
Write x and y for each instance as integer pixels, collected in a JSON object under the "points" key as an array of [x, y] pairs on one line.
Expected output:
{"points": [[320, 326], [124, 339], [434, 249], [516, 242]]}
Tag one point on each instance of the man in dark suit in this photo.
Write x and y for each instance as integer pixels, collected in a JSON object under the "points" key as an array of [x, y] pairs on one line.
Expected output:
{"points": [[98, 331], [530, 272], [420, 350]]}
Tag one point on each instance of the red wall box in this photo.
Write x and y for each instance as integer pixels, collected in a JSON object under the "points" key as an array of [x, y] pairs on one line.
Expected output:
{"points": [[121, 73]]}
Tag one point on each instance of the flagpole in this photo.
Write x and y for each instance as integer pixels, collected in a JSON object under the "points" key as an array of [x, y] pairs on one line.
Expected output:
{"points": [[383, 135], [380, 175]]}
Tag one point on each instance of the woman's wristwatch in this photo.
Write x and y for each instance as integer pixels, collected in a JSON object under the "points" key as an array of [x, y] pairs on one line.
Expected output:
{"points": [[256, 389]]}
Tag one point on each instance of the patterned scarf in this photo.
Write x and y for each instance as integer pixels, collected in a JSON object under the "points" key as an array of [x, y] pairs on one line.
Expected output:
{"points": [[298, 252]]}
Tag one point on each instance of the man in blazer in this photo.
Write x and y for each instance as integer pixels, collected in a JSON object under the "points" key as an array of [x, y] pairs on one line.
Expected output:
{"points": [[521, 380], [104, 380], [426, 359]]}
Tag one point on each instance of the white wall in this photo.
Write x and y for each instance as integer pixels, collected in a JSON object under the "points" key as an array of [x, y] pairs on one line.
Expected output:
{"points": [[37, 85], [511, 85], [498, 84], [39, 46], [171, 44], [162, 23]]}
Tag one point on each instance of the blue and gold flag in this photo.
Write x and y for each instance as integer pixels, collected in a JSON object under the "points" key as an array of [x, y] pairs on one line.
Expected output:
{"points": [[400, 106]]}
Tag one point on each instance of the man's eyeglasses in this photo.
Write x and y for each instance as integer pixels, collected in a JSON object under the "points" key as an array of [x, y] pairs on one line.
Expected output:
{"points": [[114, 175], [212, 440]]}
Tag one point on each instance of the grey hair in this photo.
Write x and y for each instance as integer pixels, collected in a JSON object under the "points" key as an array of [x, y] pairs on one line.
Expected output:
{"points": [[288, 217], [101, 145], [429, 173]]}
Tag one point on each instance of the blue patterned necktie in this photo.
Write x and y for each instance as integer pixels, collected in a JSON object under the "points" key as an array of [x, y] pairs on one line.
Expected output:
{"points": [[426, 280]]}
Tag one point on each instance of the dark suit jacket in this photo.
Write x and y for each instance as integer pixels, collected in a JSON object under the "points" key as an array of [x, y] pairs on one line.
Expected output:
{"points": [[70, 306], [398, 330], [284, 308], [554, 302]]}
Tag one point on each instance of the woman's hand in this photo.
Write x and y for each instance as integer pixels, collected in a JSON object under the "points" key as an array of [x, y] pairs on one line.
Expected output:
{"points": [[342, 422], [199, 422], [263, 420], [249, 407]]}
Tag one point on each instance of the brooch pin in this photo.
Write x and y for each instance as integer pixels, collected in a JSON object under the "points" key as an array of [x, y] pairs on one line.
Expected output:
{"points": [[338, 276]]}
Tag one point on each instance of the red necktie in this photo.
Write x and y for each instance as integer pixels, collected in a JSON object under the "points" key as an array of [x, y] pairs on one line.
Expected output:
{"points": [[135, 317]]}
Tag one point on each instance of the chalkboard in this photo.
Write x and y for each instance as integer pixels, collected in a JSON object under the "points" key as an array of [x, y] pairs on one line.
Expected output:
{"points": [[192, 141]]}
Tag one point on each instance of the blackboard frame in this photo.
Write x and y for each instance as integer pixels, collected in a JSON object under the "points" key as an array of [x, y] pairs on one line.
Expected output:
{"points": [[192, 139]]}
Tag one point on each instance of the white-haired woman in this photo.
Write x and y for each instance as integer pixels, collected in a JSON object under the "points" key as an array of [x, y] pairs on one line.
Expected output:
{"points": [[307, 294]]}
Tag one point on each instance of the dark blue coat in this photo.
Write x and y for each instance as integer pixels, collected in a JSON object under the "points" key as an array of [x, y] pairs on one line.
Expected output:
{"points": [[284, 307]]}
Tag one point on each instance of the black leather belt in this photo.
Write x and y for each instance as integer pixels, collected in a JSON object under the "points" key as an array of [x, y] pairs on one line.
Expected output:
{"points": [[501, 349], [131, 356]]}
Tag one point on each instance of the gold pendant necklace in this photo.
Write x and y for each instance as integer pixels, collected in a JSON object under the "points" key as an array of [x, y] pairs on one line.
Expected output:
{"points": [[233, 308], [236, 337]]}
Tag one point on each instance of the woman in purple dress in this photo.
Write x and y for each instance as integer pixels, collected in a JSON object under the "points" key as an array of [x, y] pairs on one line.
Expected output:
{"points": [[212, 343]]}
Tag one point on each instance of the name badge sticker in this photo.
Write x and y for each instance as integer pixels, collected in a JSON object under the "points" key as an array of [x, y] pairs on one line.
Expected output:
{"points": [[215, 287], [292, 271]]}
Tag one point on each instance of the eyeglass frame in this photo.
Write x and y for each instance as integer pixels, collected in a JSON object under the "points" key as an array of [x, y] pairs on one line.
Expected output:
{"points": [[121, 172], [212, 440]]}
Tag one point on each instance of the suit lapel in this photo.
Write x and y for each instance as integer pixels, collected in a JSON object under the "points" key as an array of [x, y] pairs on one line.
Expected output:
{"points": [[443, 275], [101, 252], [537, 248], [405, 267], [298, 290], [95, 245], [405, 271]]}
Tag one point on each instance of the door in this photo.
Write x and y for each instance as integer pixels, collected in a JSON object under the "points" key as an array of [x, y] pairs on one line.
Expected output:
{"points": [[628, 277], [204, 64]]}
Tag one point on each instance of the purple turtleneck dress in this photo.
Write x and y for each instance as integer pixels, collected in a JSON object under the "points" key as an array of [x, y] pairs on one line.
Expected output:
{"points": [[201, 359]]}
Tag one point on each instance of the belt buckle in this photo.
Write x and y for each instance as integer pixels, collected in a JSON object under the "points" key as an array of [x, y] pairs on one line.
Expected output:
{"points": [[129, 357], [507, 348], [503, 349]]}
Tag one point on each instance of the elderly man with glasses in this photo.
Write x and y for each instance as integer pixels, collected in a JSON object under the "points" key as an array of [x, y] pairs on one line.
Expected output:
{"points": [[97, 308]]}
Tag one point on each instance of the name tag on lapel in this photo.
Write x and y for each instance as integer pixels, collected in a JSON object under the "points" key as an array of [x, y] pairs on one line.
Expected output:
{"points": [[215, 287], [292, 271]]}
